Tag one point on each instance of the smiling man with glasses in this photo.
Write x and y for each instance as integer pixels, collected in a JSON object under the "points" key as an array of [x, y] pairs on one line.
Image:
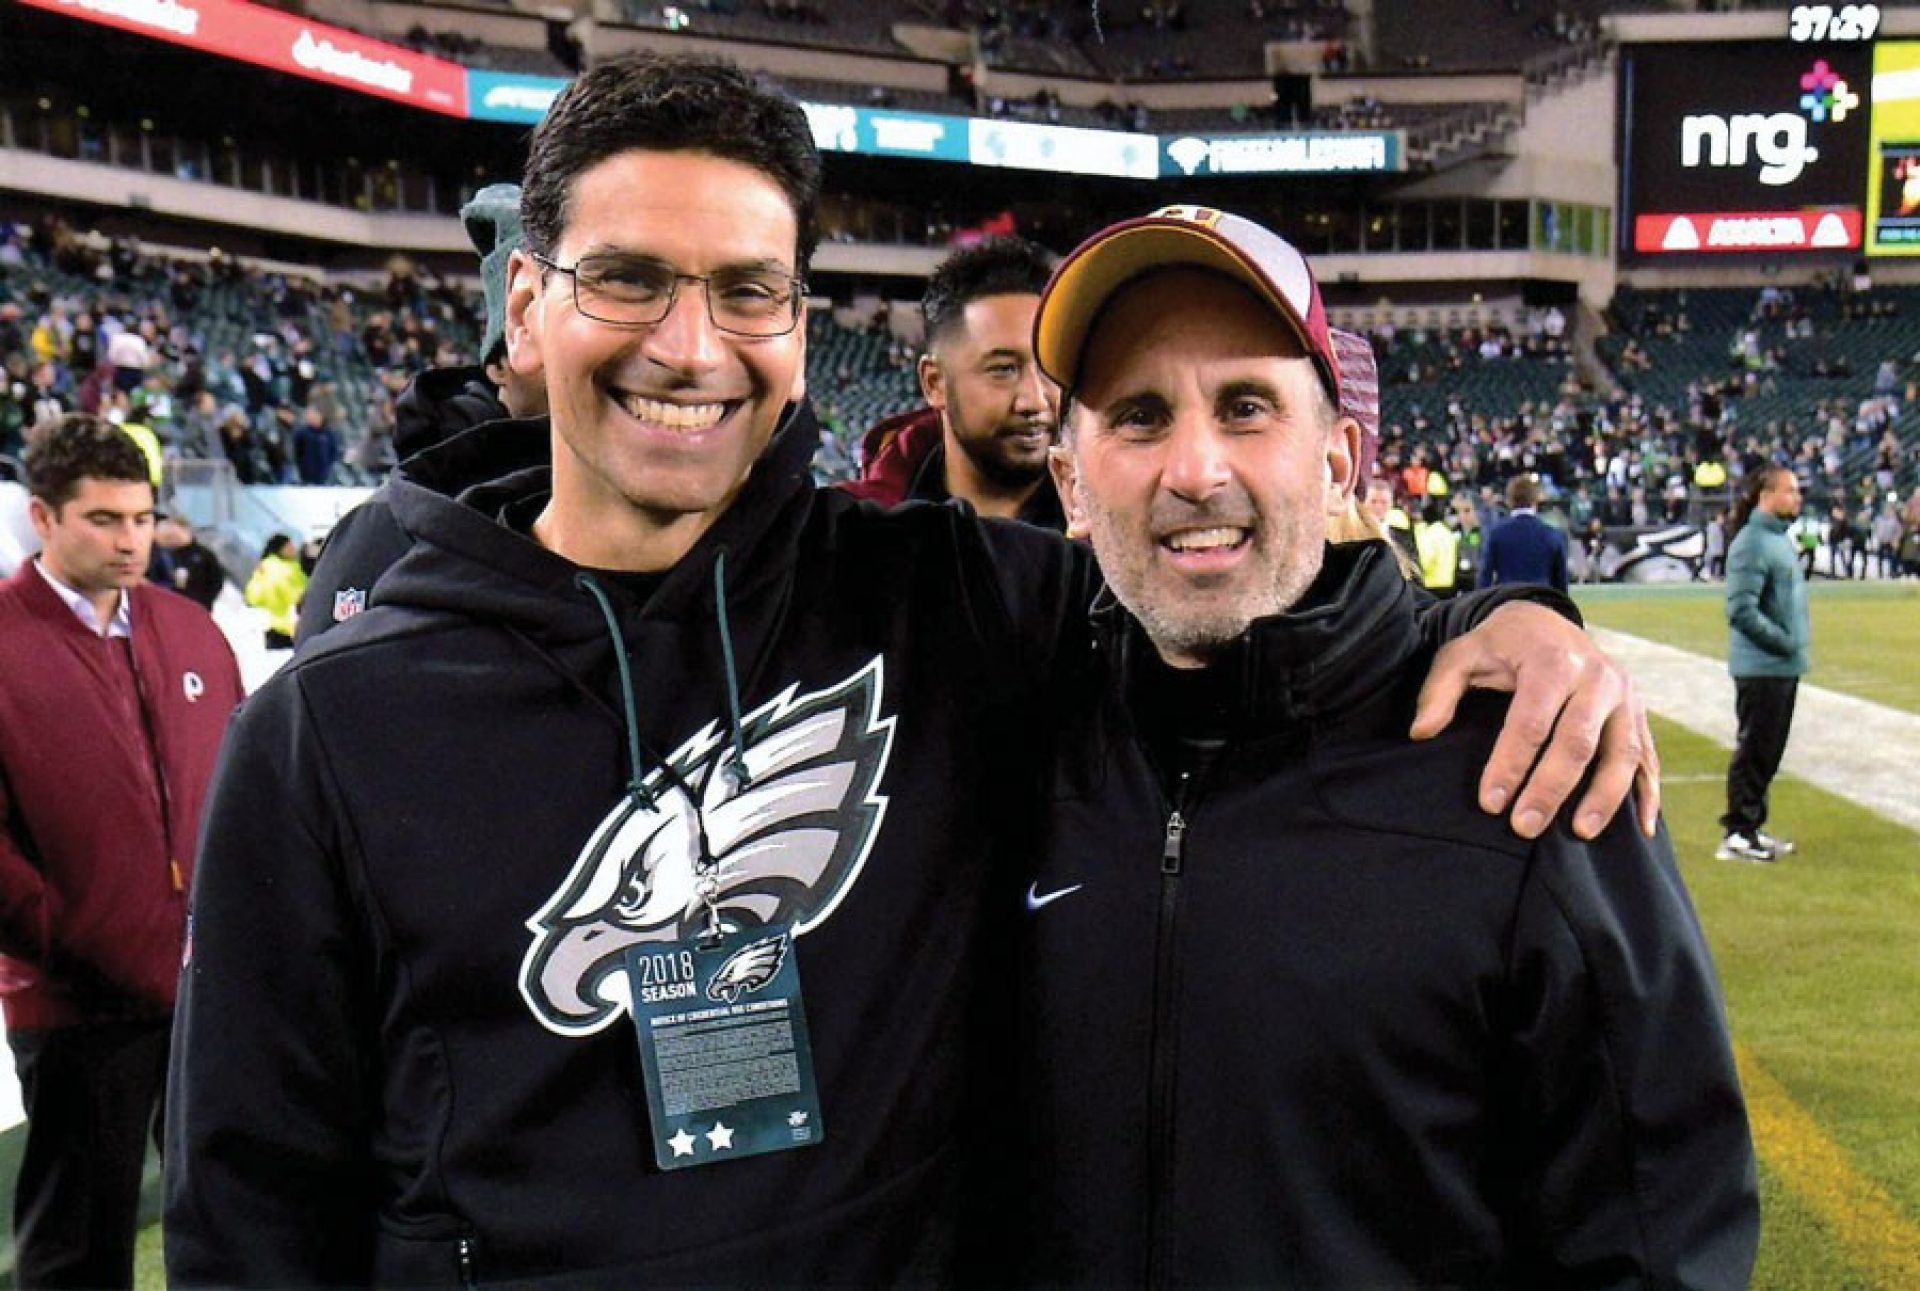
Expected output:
{"points": [[636, 291], [660, 404], [618, 901]]}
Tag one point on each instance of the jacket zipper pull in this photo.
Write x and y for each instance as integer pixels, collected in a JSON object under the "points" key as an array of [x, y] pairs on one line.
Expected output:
{"points": [[1176, 836], [174, 872], [464, 1258]]}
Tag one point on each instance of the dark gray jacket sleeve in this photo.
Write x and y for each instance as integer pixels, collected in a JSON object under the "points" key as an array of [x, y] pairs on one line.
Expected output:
{"points": [[1634, 1151], [1442, 620], [268, 1092], [363, 545]]}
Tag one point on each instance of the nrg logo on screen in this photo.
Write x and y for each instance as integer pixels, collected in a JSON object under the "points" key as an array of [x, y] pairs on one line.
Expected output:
{"points": [[1779, 141]]}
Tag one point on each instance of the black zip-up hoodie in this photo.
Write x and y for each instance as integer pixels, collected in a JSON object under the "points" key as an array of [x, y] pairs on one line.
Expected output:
{"points": [[1308, 1017], [399, 1054]]}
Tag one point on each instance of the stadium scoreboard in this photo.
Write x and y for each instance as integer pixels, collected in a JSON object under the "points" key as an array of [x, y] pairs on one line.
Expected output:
{"points": [[1765, 149]]}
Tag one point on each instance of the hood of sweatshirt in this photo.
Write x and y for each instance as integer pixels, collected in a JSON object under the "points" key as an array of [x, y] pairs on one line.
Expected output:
{"points": [[438, 404], [467, 562]]}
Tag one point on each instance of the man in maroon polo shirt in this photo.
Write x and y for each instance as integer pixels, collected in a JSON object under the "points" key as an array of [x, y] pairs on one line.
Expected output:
{"points": [[114, 695]]}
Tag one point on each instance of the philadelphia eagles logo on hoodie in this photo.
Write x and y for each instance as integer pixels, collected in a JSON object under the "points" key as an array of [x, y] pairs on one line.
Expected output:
{"points": [[787, 847]]}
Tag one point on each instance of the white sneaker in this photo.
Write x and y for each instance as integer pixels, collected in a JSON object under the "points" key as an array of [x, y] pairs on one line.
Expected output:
{"points": [[1778, 846], [1740, 847]]}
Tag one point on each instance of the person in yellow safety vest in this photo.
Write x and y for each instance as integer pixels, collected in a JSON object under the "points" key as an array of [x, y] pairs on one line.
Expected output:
{"points": [[1710, 476], [1466, 521], [1438, 546], [276, 585]]}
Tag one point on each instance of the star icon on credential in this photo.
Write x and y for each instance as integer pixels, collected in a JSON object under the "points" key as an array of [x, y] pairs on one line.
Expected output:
{"points": [[721, 1135], [682, 1144]]}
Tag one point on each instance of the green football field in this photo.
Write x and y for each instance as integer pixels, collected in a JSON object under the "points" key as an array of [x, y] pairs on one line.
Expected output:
{"points": [[1819, 956], [1866, 636]]}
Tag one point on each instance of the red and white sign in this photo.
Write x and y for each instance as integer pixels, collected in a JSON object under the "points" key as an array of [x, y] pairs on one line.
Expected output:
{"points": [[1835, 229], [285, 43]]}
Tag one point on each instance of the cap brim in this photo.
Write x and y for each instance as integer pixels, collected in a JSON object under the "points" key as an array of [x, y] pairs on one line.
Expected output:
{"points": [[1092, 275]]}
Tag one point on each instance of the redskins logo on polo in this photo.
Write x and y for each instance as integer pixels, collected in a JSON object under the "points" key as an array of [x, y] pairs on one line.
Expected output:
{"points": [[787, 847]]}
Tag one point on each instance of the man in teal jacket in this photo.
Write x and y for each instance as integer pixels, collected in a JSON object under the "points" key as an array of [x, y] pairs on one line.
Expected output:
{"points": [[1766, 653]]}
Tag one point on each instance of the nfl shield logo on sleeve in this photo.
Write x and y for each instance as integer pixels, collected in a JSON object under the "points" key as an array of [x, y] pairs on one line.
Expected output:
{"points": [[347, 602]]}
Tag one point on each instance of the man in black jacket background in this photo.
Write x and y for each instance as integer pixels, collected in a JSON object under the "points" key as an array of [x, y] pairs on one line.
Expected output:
{"points": [[430, 419], [181, 562]]}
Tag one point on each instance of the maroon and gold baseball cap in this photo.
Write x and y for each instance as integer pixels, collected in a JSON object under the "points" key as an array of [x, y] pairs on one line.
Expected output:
{"points": [[1178, 236]]}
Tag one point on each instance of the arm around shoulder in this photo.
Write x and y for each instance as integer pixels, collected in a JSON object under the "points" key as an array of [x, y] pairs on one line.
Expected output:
{"points": [[1455, 616], [1043, 586]]}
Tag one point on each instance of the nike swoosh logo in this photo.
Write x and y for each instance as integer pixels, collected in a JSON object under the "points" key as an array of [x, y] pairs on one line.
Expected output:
{"points": [[1036, 902]]}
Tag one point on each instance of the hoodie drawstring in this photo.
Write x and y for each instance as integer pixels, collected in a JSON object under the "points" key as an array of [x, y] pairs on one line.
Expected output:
{"points": [[737, 764], [705, 868], [635, 785]]}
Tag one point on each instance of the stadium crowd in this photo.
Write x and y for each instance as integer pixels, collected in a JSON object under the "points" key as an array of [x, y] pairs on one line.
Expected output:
{"points": [[292, 380], [1622, 457], [289, 379]]}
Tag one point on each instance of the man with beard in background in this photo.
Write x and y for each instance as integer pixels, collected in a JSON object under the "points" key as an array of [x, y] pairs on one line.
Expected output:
{"points": [[990, 414]]}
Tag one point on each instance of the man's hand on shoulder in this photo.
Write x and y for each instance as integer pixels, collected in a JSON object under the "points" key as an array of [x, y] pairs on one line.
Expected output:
{"points": [[1569, 699]]}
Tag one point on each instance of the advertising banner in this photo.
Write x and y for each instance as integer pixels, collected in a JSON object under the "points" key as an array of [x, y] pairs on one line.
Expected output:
{"points": [[1320, 152], [875, 132], [280, 41], [520, 100], [1742, 148], [1024, 145], [1766, 231]]}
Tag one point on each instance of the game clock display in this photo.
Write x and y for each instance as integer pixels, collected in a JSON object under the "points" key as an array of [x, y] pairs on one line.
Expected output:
{"points": [[1814, 23]]}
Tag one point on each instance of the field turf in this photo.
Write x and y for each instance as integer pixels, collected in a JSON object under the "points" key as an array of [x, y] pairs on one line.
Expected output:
{"points": [[1866, 635], [1819, 955]]}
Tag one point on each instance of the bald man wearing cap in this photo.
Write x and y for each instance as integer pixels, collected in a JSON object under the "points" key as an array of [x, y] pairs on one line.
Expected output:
{"points": [[1300, 1013]]}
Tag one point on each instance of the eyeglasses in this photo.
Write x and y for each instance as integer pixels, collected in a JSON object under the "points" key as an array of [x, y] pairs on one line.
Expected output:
{"points": [[634, 291]]}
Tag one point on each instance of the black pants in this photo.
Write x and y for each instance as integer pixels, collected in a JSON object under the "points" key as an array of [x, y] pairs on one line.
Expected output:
{"points": [[92, 1095], [1764, 707]]}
